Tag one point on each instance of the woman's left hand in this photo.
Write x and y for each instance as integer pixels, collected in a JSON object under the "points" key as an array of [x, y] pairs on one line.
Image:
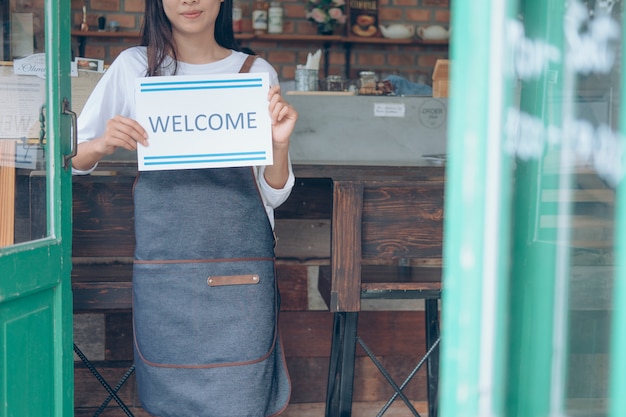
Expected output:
{"points": [[283, 117]]}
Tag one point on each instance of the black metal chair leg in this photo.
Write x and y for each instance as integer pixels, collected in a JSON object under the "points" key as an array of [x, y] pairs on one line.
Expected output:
{"points": [[383, 371], [107, 387], [407, 380], [119, 385], [432, 337], [341, 369]]}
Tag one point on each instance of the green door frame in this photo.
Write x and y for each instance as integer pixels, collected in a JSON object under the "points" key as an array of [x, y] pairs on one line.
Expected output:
{"points": [[35, 287], [473, 334], [504, 304]]}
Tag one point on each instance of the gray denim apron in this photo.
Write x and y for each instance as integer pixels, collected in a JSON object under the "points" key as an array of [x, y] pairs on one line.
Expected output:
{"points": [[205, 299]]}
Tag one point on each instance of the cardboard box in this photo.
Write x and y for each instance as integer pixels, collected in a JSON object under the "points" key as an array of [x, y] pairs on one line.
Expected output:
{"points": [[441, 78], [363, 18]]}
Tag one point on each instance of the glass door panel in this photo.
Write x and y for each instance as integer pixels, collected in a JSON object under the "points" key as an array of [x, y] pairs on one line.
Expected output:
{"points": [[22, 122], [534, 286], [36, 356]]}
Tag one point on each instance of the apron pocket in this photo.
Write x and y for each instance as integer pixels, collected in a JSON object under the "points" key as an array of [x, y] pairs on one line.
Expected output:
{"points": [[181, 320]]}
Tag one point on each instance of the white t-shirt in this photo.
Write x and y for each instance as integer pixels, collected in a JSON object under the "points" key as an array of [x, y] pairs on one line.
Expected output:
{"points": [[115, 95]]}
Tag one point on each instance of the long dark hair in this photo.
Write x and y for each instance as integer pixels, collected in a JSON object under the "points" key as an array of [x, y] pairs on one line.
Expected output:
{"points": [[156, 34]]}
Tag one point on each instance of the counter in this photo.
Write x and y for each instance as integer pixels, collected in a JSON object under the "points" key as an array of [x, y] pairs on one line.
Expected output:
{"points": [[361, 130]]}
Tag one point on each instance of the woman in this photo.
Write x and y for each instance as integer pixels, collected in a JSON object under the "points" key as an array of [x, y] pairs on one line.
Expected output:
{"points": [[205, 300]]}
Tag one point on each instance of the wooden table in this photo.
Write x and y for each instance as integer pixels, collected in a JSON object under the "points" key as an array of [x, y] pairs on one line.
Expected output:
{"points": [[386, 242]]}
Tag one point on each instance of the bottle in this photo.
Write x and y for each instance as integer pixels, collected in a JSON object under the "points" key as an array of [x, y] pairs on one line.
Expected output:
{"points": [[237, 16], [275, 18], [259, 16], [84, 26]]}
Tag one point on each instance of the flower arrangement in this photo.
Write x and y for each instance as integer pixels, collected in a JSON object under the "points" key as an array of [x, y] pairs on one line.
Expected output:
{"points": [[326, 13]]}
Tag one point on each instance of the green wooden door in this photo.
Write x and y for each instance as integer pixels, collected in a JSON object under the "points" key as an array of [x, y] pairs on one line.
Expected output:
{"points": [[534, 300], [36, 356]]}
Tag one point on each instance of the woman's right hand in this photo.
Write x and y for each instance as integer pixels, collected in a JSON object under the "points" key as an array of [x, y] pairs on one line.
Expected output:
{"points": [[122, 132]]}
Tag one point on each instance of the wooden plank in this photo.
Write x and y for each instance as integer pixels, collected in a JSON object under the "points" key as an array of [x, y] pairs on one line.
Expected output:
{"points": [[100, 269], [89, 335], [310, 198], [88, 392], [99, 293], [346, 246], [111, 411], [308, 333], [307, 338], [304, 240], [360, 409], [579, 196], [293, 287], [403, 332], [309, 378], [7, 192], [119, 336], [371, 385], [402, 221], [390, 282], [103, 216], [90, 296]]}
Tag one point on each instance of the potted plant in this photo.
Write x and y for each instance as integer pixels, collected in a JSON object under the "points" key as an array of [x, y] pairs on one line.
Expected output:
{"points": [[326, 13]]}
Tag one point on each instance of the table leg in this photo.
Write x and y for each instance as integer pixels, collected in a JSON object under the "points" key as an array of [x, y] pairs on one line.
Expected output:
{"points": [[432, 336], [341, 368]]}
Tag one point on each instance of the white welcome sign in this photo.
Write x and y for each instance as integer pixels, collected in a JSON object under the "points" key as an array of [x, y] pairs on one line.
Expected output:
{"points": [[206, 121]]}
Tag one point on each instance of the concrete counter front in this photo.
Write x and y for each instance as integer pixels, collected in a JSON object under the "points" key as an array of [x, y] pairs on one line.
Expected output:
{"points": [[367, 130]]}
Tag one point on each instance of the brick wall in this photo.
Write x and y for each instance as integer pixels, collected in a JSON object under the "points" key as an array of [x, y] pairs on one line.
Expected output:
{"points": [[413, 61]]}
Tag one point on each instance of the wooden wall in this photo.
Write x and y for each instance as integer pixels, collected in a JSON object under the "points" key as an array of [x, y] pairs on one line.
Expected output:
{"points": [[103, 248]]}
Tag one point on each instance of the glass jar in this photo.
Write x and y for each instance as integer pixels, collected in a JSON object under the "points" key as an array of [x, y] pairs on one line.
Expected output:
{"points": [[335, 83], [259, 16], [275, 18], [367, 82]]}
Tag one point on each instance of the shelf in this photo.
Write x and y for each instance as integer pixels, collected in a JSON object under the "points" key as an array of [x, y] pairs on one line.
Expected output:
{"points": [[416, 41], [82, 36], [280, 38], [298, 38], [386, 41], [326, 40]]}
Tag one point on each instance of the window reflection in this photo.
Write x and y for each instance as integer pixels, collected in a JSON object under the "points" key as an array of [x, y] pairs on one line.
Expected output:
{"points": [[22, 168]]}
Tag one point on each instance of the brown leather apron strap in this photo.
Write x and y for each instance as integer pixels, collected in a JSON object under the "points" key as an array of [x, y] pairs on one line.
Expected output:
{"points": [[247, 64]]}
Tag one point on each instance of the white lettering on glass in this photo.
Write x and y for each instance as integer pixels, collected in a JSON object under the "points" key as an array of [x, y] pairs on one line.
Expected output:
{"points": [[599, 148], [531, 57], [590, 48]]}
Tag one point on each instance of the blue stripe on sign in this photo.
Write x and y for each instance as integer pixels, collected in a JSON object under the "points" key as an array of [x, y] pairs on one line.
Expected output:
{"points": [[215, 87], [200, 85], [204, 158], [201, 161]]}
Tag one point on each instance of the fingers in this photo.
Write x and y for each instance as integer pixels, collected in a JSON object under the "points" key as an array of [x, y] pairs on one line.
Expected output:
{"points": [[279, 108], [125, 133]]}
